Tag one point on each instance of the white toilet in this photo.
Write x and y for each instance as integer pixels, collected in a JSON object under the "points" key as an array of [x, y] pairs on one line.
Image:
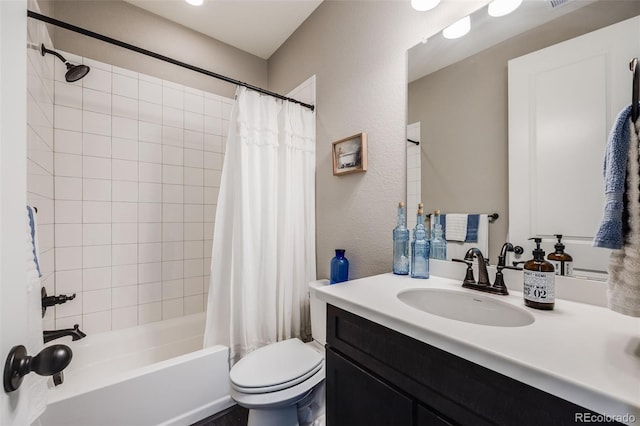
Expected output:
{"points": [[275, 381]]}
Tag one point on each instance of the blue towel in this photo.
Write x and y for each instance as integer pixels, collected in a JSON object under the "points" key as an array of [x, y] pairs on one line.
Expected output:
{"points": [[609, 234], [473, 220], [32, 226]]}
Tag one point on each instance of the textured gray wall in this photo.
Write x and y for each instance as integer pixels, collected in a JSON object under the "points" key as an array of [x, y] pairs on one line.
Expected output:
{"points": [[463, 114], [136, 26], [358, 51]]}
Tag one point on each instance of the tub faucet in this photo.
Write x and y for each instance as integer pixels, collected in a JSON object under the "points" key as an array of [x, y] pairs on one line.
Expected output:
{"points": [[75, 333]]}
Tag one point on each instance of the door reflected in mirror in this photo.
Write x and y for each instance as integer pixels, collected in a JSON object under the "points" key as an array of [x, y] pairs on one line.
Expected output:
{"points": [[459, 99]]}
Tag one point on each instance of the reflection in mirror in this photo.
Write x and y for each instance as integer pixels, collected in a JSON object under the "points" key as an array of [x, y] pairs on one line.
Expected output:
{"points": [[458, 99]]}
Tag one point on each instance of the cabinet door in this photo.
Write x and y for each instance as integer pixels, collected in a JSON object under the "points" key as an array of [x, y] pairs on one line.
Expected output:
{"points": [[427, 417], [355, 397]]}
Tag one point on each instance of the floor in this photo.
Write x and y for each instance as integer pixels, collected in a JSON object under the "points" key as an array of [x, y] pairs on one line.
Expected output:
{"points": [[234, 416]]}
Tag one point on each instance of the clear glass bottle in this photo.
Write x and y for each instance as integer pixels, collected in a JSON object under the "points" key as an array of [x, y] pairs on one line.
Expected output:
{"points": [[420, 248], [438, 243], [339, 267], [401, 244]]}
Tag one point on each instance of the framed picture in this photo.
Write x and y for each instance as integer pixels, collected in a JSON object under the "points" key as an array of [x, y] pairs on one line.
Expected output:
{"points": [[350, 155]]}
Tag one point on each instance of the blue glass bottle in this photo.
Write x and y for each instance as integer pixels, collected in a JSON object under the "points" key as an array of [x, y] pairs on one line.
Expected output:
{"points": [[339, 267], [401, 244], [420, 248], [438, 242]]}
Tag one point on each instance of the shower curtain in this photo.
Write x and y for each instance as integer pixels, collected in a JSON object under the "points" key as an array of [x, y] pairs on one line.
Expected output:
{"points": [[264, 237]]}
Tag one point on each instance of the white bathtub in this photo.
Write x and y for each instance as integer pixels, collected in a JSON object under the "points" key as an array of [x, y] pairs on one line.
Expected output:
{"points": [[154, 374]]}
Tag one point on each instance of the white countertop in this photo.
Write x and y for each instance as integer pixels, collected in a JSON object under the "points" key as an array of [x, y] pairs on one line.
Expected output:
{"points": [[585, 354]]}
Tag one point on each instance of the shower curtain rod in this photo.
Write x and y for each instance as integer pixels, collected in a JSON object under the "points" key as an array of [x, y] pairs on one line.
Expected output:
{"points": [[146, 52]]}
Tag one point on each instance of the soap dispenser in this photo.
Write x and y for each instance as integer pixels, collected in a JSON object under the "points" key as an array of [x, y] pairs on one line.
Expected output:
{"points": [[563, 262], [539, 280]]}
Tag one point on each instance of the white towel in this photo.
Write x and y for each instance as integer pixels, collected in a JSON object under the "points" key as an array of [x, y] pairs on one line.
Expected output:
{"points": [[33, 384], [624, 264], [457, 250], [456, 227]]}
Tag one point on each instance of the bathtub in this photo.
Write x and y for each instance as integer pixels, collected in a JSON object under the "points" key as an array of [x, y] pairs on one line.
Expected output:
{"points": [[154, 374]]}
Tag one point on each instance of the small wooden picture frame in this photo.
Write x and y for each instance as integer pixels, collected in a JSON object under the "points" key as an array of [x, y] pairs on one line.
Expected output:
{"points": [[350, 155]]}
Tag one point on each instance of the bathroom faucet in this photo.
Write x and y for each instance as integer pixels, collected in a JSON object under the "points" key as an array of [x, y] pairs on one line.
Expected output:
{"points": [[75, 333], [483, 278], [483, 283], [499, 284]]}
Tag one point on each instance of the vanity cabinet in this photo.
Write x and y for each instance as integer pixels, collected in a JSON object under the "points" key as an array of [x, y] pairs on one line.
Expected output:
{"points": [[377, 376]]}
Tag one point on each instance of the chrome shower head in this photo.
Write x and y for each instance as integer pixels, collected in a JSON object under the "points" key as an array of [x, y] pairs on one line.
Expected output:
{"points": [[74, 72]]}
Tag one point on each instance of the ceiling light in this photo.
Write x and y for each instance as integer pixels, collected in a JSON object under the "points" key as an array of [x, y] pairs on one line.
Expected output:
{"points": [[195, 2], [499, 8], [458, 28], [423, 5]]}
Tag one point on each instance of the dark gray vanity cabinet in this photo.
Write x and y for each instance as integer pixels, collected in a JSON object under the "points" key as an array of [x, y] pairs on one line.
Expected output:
{"points": [[377, 376]]}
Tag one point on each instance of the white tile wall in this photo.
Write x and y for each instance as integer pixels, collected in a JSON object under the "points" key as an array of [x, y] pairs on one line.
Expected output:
{"points": [[40, 155], [137, 171]]}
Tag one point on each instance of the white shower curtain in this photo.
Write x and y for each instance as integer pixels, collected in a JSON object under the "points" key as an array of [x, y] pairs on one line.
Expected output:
{"points": [[264, 239]]}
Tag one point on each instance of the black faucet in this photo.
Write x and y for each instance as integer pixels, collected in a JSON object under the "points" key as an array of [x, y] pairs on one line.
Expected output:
{"points": [[75, 333], [499, 284], [48, 301], [483, 278], [483, 283]]}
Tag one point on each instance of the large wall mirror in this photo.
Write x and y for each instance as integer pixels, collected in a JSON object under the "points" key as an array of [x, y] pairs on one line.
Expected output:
{"points": [[458, 111]]}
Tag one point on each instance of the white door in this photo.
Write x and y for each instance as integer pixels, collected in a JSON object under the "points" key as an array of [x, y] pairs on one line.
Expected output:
{"points": [[562, 102], [13, 136]]}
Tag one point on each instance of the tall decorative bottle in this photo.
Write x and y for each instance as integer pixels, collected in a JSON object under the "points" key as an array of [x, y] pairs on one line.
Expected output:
{"points": [[339, 267], [438, 243], [420, 248], [401, 244]]}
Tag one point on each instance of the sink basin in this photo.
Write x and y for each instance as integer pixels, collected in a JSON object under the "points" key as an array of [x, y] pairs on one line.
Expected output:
{"points": [[467, 307]]}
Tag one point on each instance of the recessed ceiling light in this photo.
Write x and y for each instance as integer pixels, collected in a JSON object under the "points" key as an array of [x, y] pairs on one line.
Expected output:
{"points": [[458, 28], [195, 2], [423, 5], [499, 8]]}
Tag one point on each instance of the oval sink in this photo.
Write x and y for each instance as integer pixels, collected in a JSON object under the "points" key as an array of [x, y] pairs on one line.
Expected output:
{"points": [[467, 307]]}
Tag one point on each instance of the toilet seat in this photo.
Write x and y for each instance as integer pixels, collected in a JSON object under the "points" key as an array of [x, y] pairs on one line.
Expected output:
{"points": [[275, 367], [282, 398]]}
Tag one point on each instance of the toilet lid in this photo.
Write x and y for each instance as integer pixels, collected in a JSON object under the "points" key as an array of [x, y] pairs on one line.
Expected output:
{"points": [[276, 366]]}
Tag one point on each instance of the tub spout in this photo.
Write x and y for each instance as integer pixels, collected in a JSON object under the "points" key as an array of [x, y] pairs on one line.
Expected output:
{"points": [[74, 332]]}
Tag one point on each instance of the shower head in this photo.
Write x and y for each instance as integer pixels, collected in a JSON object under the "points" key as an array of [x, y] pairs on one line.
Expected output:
{"points": [[74, 72]]}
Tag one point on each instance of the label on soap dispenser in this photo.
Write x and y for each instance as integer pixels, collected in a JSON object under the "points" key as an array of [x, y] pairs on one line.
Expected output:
{"points": [[563, 267], [539, 286]]}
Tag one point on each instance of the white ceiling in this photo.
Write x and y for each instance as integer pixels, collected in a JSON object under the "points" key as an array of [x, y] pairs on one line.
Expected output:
{"points": [[486, 31], [255, 26]]}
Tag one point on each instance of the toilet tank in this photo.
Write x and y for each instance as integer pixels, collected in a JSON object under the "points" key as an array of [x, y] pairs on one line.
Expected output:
{"points": [[318, 312]]}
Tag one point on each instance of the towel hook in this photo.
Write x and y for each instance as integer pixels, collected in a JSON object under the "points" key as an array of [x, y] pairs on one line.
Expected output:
{"points": [[633, 67]]}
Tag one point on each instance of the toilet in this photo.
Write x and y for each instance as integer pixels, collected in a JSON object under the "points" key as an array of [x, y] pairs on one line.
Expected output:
{"points": [[279, 380]]}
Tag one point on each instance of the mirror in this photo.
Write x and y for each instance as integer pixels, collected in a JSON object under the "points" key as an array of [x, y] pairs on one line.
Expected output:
{"points": [[458, 111]]}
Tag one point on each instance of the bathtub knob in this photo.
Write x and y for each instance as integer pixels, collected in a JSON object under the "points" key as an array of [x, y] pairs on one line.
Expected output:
{"points": [[51, 360]]}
